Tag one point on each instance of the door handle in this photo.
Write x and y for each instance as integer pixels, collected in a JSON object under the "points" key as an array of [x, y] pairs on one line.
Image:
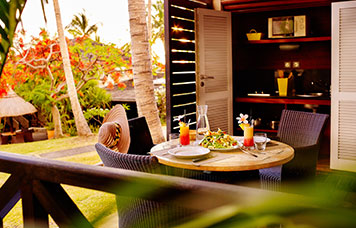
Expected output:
{"points": [[202, 76]]}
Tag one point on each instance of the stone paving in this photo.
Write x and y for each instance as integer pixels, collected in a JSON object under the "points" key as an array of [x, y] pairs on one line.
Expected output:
{"points": [[69, 152]]}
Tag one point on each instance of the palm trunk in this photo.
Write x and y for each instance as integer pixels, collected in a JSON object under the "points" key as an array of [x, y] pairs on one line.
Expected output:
{"points": [[80, 122], [149, 23], [142, 69], [57, 122], [149, 19]]}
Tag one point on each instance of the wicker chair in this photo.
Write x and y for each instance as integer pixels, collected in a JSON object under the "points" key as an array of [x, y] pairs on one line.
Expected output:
{"points": [[302, 131], [141, 140], [136, 212]]}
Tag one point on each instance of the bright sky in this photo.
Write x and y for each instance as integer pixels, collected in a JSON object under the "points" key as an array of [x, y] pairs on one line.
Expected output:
{"points": [[111, 14]]}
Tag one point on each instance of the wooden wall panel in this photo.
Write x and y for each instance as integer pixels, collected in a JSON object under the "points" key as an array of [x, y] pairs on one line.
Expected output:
{"points": [[180, 59], [183, 77]]}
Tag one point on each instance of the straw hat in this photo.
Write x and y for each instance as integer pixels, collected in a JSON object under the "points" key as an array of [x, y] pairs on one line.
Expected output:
{"points": [[115, 131]]}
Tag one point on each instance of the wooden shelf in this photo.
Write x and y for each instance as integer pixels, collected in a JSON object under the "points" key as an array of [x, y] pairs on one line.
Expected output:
{"points": [[249, 6], [290, 40], [268, 100]]}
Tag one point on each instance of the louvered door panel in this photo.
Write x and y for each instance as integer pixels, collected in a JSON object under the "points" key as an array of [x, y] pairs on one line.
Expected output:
{"points": [[347, 124], [215, 110], [216, 52], [214, 69], [347, 48], [343, 96]]}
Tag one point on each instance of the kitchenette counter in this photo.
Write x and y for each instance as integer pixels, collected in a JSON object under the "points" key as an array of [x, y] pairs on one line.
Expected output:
{"points": [[321, 100]]}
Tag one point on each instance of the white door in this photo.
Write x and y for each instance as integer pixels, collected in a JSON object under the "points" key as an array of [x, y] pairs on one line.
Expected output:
{"points": [[214, 66], [343, 90]]}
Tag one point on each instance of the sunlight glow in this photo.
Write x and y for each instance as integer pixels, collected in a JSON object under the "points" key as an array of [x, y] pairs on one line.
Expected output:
{"points": [[176, 29], [182, 18], [182, 51], [182, 8], [182, 61], [183, 40]]}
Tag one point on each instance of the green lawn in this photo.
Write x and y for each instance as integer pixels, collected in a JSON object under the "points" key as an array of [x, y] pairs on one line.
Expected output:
{"points": [[45, 146], [91, 203]]}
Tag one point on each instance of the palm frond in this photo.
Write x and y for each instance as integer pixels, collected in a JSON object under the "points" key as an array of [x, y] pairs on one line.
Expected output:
{"points": [[79, 26], [91, 29], [10, 15]]}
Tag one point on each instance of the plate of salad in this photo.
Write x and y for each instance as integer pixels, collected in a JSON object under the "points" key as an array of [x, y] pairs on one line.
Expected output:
{"points": [[218, 141]]}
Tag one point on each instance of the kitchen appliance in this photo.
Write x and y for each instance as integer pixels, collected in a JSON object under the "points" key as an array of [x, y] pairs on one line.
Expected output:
{"points": [[288, 26]]}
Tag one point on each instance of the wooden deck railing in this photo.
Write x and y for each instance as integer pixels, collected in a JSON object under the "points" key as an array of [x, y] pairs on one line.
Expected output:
{"points": [[38, 182]]}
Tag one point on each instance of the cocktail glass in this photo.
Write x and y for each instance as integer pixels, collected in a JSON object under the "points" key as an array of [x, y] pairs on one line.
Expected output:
{"points": [[173, 139], [184, 134], [248, 136]]}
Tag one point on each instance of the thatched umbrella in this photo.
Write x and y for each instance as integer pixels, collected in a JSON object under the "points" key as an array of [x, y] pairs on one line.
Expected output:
{"points": [[12, 105]]}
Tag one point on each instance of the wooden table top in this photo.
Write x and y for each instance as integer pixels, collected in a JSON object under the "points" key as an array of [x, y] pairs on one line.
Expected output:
{"points": [[276, 153]]}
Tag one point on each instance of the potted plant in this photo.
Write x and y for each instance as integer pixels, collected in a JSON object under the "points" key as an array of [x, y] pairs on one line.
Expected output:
{"points": [[50, 130]]}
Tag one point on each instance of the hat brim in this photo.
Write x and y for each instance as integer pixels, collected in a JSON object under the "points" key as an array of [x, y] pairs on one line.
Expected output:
{"points": [[118, 115]]}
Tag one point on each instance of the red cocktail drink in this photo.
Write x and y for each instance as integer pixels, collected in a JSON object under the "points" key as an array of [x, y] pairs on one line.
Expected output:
{"points": [[248, 136], [184, 134]]}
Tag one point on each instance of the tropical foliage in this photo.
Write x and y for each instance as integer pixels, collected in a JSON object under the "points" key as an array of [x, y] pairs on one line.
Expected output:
{"points": [[158, 21], [37, 72], [160, 94], [10, 14]]}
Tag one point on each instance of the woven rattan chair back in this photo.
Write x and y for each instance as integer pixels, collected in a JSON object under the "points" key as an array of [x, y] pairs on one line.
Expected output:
{"points": [[298, 128], [138, 212]]}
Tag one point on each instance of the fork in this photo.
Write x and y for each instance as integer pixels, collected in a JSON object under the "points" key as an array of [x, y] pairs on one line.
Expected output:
{"points": [[249, 153]]}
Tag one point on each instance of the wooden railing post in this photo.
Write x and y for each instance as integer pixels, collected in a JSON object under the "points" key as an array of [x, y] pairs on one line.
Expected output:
{"points": [[59, 205], [10, 189], [34, 215]]}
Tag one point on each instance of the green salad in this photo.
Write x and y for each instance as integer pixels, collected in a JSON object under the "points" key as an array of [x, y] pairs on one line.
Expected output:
{"points": [[218, 140]]}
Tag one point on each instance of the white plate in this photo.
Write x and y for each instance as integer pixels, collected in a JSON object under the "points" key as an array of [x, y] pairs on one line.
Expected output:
{"points": [[241, 138], [225, 149], [189, 151]]}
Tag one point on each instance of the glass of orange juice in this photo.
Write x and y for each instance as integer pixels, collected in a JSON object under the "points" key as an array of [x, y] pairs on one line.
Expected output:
{"points": [[248, 136], [184, 134]]}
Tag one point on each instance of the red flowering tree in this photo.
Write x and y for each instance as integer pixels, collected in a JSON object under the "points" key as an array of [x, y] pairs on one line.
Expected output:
{"points": [[37, 67]]}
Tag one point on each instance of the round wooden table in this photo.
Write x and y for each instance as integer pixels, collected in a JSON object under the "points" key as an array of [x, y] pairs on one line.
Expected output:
{"points": [[276, 154]]}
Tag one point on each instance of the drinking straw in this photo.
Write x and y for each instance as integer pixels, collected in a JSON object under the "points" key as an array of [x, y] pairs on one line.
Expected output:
{"points": [[185, 118]]}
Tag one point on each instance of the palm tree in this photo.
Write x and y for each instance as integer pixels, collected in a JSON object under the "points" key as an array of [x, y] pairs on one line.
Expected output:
{"points": [[79, 26], [80, 122], [142, 68]]}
